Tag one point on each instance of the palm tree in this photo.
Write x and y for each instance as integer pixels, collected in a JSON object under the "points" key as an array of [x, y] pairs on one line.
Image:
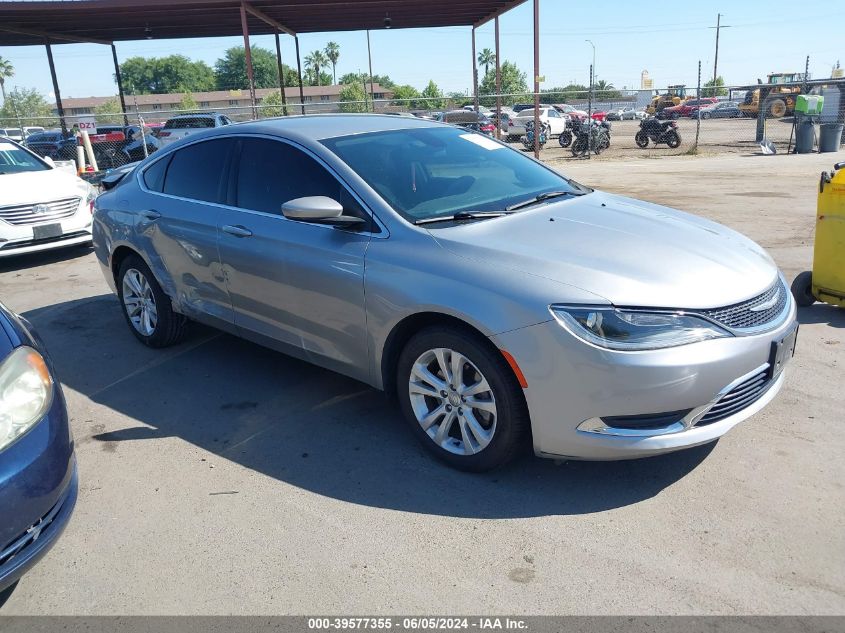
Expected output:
{"points": [[314, 62], [601, 84], [7, 71], [486, 58], [333, 54]]}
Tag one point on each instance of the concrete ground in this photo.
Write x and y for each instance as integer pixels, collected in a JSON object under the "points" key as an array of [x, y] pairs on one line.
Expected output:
{"points": [[218, 477]]}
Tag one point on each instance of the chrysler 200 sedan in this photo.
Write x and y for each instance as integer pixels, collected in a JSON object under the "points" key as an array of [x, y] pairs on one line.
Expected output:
{"points": [[500, 301]]}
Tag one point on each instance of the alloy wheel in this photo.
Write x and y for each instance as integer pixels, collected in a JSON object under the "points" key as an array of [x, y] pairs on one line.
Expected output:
{"points": [[452, 401], [139, 302]]}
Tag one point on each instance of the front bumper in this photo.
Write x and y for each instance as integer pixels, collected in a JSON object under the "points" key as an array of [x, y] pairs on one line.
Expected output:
{"points": [[18, 239], [572, 384]]}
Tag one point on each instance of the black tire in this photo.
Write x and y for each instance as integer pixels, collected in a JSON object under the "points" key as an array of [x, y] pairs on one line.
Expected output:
{"points": [[705, 115], [579, 146], [512, 422], [641, 139], [565, 139], [802, 289], [673, 139], [170, 326]]}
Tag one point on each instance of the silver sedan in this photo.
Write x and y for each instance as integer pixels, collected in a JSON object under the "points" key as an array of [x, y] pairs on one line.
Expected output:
{"points": [[505, 305]]}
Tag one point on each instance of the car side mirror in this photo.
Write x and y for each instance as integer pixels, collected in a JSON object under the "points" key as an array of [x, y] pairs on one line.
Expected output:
{"points": [[319, 210]]}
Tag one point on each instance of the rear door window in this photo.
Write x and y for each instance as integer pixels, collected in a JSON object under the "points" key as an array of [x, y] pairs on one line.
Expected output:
{"points": [[197, 171], [186, 123]]}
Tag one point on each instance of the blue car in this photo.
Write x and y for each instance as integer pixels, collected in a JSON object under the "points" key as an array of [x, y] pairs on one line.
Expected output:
{"points": [[38, 481]]}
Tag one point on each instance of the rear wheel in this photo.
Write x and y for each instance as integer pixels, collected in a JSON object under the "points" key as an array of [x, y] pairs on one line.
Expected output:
{"points": [[146, 307], [641, 139], [802, 289], [673, 139], [461, 399], [565, 139]]}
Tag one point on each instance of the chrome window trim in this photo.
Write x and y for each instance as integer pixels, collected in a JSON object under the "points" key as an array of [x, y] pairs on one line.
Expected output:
{"points": [[384, 234]]}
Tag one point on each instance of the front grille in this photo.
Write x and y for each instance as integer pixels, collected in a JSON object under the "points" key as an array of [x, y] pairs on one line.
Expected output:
{"points": [[743, 395], [741, 316], [23, 214]]}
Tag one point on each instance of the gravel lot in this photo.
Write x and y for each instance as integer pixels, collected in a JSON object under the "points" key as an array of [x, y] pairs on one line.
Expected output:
{"points": [[218, 477]]}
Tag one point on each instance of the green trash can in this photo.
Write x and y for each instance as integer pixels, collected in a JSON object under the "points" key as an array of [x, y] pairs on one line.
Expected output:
{"points": [[805, 134], [830, 137]]}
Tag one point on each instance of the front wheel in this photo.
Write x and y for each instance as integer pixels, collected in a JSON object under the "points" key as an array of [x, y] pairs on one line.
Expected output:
{"points": [[641, 139], [705, 116], [673, 139], [565, 139], [802, 289], [579, 146], [461, 399], [147, 309]]}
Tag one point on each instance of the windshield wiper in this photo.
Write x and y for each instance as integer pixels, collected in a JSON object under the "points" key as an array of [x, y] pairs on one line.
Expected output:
{"points": [[544, 196], [463, 215]]}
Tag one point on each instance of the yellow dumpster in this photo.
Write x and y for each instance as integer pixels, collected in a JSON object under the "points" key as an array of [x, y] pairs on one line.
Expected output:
{"points": [[826, 282]]}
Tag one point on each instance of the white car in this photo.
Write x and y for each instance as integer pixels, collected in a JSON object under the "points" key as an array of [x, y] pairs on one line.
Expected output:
{"points": [[554, 121], [13, 133], [41, 206], [184, 125]]}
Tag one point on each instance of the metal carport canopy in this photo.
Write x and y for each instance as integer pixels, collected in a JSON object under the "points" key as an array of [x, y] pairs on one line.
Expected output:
{"points": [[106, 21]]}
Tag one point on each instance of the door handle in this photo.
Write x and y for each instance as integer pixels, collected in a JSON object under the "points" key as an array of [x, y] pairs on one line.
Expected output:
{"points": [[151, 214], [237, 230]]}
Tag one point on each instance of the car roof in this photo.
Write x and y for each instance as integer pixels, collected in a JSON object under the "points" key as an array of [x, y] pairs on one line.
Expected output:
{"points": [[317, 127], [193, 114]]}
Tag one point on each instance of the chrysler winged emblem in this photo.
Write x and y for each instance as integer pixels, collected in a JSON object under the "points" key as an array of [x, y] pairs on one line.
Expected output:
{"points": [[767, 304]]}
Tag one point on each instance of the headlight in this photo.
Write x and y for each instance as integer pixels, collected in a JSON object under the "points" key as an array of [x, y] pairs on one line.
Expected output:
{"points": [[629, 330], [26, 393]]}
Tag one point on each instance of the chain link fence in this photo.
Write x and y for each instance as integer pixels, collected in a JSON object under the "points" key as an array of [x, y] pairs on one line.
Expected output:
{"points": [[642, 124]]}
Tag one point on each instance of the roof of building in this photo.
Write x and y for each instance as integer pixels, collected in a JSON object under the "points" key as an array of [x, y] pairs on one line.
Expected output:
{"points": [[291, 93], [106, 21]]}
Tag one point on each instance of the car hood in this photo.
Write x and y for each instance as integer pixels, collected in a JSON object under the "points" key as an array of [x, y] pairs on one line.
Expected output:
{"points": [[40, 186], [632, 253]]}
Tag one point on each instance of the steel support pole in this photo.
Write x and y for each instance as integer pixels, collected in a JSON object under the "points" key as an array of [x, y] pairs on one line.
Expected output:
{"points": [[59, 107], [536, 78], [474, 73], [248, 55], [716, 56], [281, 68], [119, 81], [370, 59], [498, 85], [299, 72]]}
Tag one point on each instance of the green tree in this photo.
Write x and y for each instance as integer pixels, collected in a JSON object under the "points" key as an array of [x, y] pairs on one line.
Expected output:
{"points": [[353, 98], [7, 71], [108, 113], [314, 62], [29, 107], [271, 105], [230, 70], [433, 96], [486, 58], [719, 91], [406, 96], [514, 82], [188, 102], [332, 53], [382, 80], [158, 75]]}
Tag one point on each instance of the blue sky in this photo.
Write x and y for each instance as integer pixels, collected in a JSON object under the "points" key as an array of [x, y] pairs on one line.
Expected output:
{"points": [[765, 36]]}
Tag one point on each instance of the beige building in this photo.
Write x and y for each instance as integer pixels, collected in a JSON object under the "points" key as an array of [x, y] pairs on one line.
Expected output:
{"points": [[233, 103]]}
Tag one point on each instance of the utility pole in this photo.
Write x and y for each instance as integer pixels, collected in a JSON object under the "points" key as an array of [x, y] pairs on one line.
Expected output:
{"points": [[719, 26]]}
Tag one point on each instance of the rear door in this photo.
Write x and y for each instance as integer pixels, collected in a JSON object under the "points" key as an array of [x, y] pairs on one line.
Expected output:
{"points": [[293, 282], [179, 222]]}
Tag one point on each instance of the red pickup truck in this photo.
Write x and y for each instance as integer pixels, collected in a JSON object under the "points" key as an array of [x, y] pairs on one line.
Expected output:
{"points": [[686, 108]]}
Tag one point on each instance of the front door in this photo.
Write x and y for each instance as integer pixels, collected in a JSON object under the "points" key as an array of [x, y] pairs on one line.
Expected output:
{"points": [[294, 282]]}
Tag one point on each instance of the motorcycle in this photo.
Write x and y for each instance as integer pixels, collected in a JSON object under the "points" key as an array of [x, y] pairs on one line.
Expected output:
{"points": [[593, 136], [656, 131], [528, 139]]}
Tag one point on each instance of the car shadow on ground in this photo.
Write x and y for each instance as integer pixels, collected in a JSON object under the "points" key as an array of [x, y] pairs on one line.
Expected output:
{"points": [[822, 313], [43, 258], [309, 427]]}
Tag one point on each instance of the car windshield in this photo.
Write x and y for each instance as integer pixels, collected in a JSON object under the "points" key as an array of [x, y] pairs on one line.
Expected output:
{"points": [[14, 160], [188, 123], [431, 172]]}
